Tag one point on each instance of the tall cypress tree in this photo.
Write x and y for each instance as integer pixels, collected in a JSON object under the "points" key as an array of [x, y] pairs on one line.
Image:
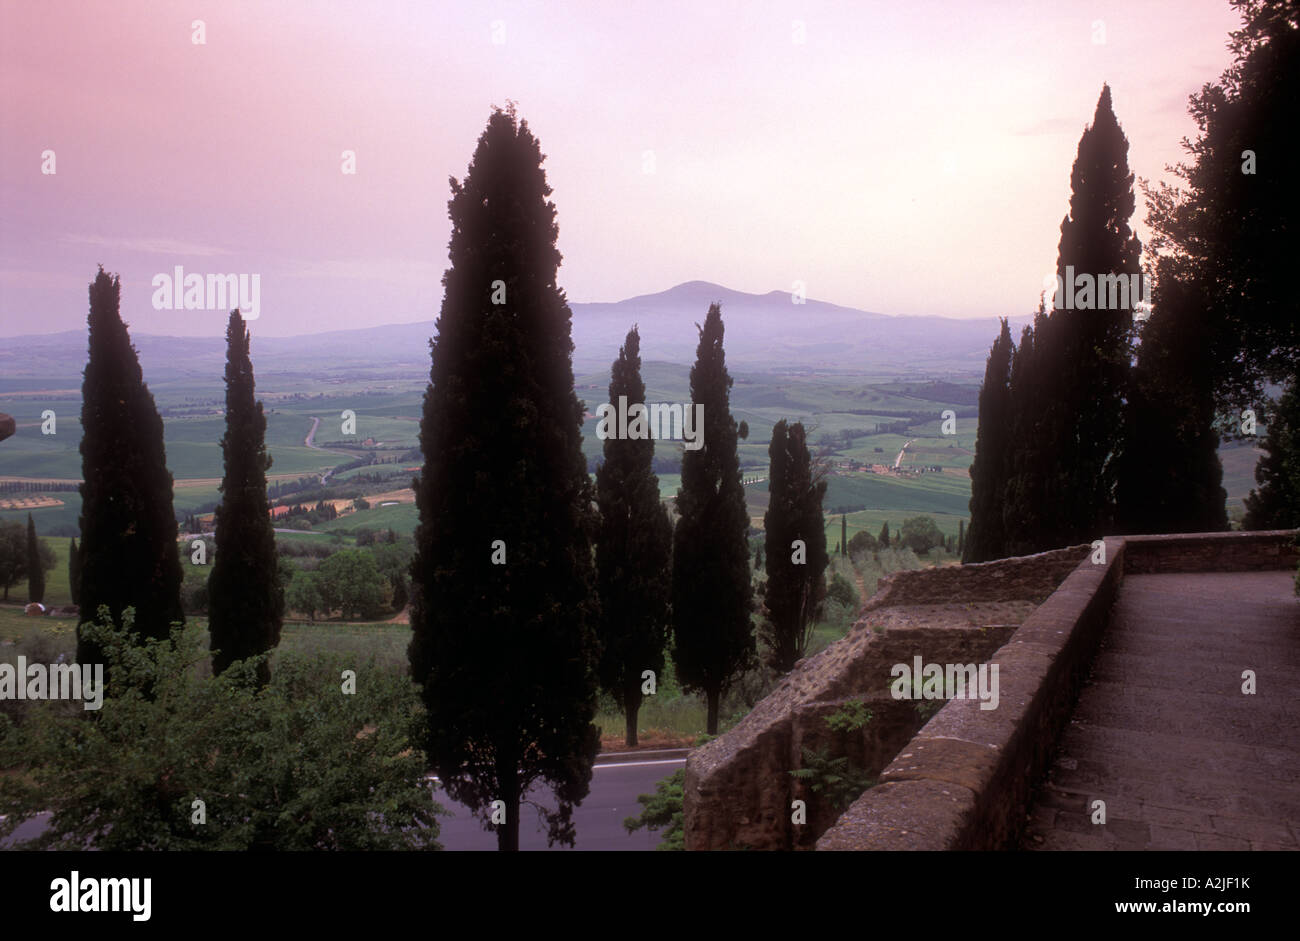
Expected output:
{"points": [[35, 571], [796, 583], [1094, 342], [883, 538], [961, 536], [713, 594], [1032, 483], [128, 527], [844, 534], [74, 570], [993, 443], [246, 600], [633, 551], [504, 605]]}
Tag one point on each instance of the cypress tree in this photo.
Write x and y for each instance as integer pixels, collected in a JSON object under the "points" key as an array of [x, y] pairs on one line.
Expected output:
{"points": [[74, 570], [844, 534], [246, 601], [503, 599], [1094, 354], [796, 582], [988, 471], [633, 551], [961, 536], [712, 595], [128, 527], [883, 538], [1031, 486], [35, 571]]}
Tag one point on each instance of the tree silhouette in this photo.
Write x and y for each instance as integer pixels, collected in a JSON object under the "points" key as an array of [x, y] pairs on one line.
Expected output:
{"points": [[503, 593]]}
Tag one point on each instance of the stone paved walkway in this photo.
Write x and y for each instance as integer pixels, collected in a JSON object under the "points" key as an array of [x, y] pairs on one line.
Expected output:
{"points": [[1163, 733]]}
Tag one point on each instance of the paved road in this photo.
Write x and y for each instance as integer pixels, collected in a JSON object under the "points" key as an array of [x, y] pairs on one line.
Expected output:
{"points": [[1163, 732], [614, 789], [599, 821]]}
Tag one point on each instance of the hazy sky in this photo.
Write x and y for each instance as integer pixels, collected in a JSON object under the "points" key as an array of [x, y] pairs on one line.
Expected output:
{"points": [[904, 157]]}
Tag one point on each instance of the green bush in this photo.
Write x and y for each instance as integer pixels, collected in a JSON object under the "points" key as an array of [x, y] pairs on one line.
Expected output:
{"points": [[841, 591], [298, 765]]}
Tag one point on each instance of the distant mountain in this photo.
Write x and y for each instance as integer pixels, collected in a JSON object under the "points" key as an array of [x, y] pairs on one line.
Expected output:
{"points": [[771, 331], [764, 332]]}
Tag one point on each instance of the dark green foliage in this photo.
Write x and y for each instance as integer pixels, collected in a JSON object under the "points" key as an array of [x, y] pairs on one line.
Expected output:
{"points": [[1032, 479], [633, 552], [297, 765], [663, 810], [74, 570], [993, 446], [841, 591], [844, 534], [505, 653], [245, 602], [303, 595], [350, 582], [838, 781], [921, 534], [863, 541], [961, 536], [1095, 345], [1069, 376], [1235, 230], [712, 594], [35, 571], [128, 528], [796, 584], [1276, 504], [13, 555], [393, 557], [1170, 476], [883, 538]]}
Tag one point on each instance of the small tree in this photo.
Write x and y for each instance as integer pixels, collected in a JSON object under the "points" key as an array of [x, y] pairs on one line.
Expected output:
{"points": [[921, 534], [304, 596], [883, 539]]}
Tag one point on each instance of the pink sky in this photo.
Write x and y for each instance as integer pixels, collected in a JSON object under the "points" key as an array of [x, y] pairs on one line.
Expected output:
{"points": [[905, 158]]}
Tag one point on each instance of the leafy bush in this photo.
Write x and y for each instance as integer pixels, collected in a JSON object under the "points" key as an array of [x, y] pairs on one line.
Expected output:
{"points": [[663, 809], [841, 591], [921, 534], [837, 780], [298, 765], [863, 542]]}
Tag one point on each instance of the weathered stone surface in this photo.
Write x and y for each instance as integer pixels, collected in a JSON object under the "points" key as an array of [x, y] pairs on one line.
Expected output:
{"points": [[7, 426], [739, 788], [902, 815]]}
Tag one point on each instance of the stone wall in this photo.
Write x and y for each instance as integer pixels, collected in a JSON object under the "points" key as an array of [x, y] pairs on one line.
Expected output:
{"points": [[1212, 552], [965, 780], [738, 787]]}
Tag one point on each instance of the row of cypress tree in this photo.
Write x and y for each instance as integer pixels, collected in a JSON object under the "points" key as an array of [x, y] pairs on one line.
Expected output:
{"points": [[128, 554], [1085, 431]]}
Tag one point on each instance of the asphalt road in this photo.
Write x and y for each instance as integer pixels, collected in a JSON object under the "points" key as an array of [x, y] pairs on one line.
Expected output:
{"points": [[599, 820]]}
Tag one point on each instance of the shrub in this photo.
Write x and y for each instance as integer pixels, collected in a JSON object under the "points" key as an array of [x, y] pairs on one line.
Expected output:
{"points": [[298, 765]]}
